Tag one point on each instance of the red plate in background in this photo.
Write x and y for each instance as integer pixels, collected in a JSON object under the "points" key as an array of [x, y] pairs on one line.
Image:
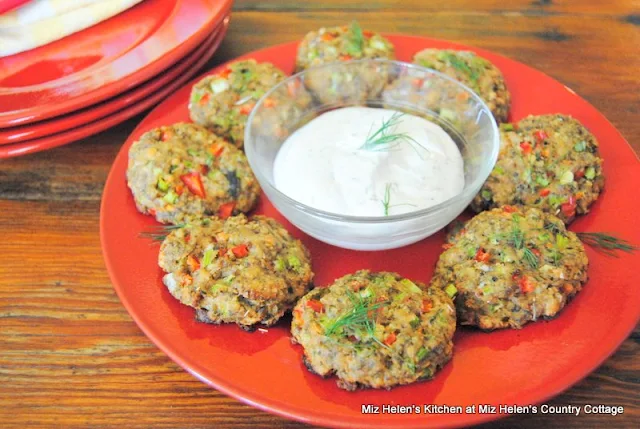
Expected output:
{"points": [[265, 370], [176, 80], [7, 5], [84, 116], [104, 60]]}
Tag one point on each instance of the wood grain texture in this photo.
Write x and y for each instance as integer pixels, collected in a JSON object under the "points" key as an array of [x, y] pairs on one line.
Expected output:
{"points": [[70, 354]]}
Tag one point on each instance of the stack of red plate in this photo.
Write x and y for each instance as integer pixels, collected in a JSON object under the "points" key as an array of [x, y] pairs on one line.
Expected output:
{"points": [[99, 77]]}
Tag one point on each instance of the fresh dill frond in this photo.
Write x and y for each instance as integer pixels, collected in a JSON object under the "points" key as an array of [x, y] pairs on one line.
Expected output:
{"points": [[516, 236], [606, 243], [356, 39], [361, 317], [159, 232], [386, 200], [530, 258], [385, 138]]}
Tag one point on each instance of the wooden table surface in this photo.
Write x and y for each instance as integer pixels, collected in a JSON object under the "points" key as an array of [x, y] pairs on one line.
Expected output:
{"points": [[71, 356]]}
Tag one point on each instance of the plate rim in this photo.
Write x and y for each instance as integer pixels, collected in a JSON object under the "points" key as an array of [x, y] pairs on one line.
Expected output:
{"points": [[29, 114]]}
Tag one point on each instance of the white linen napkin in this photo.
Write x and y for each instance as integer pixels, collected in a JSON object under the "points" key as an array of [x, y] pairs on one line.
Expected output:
{"points": [[44, 21]]}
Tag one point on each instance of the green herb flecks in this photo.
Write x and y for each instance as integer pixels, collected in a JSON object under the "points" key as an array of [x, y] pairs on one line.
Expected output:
{"points": [[159, 232], [361, 318], [356, 39], [516, 237], [386, 200], [530, 258], [385, 138], [457, 63], [606, 243]]}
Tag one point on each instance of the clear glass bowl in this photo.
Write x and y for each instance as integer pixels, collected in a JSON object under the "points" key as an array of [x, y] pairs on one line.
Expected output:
{"points": [[374, 83]]}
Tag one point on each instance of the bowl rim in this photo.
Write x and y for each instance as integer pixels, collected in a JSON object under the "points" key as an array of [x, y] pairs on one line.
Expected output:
{"points": [[476, 184]]}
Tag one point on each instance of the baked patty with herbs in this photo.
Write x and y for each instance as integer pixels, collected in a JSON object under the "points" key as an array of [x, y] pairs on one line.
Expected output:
{"points": [[183, 171], [511, 266], [479, 74], [242, 271], [223, 102], [550, 162], [375, 330], [333, 44]]}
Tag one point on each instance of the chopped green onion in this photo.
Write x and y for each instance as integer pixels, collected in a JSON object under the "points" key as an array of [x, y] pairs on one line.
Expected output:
{"points": [[207, 259], [561, 241], [451, 290], [171, 197], [486, 194], [542, 181], [581, 146], [498, 170], [415, 323], [192, 152], [566, 178], [590, 173], [507, 127], [422, 353], [162, 185], [280, 264], [410, 285], [448, 114], [294, 263]]}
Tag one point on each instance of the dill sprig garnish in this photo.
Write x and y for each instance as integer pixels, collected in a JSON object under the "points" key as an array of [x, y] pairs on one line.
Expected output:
{"points": [[386, 200], [159, 232], [515, 237], [361, 317], [356, 39], [606, 243], [530, 258], [385, 138]]}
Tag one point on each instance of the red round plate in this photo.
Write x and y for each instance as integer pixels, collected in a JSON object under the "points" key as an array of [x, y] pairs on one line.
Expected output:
{"points": [[107, 107], [506, 367], [7, 5], [104, 60], [127, 109]]}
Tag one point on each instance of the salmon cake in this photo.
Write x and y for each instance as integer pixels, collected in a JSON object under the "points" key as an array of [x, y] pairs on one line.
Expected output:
{"points": [[223, 102], [478, 73], [334, 44], [183, 171], [511, 266], [375, 330], [248, 272], [551, 162]]}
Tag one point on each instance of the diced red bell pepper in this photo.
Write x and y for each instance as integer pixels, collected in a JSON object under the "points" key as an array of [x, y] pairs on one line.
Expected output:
{"points": [[540, 136], [204, 100], [390, 339], [166, 135], [536, 252], [193, 263], [526, 147], [345, 57], [187, 238], [226, 210], [569, 208], [578, 174], [315, 305], [327, 37], [216, 149], [225, 73], [179, 189], [222, 251], [525, 284], [269, 102], [240, 251], [509, 209], [482, 256], [204, 169], [292, 87], [544, 192], [427, 305], [367, 33], [152, 212], [417, 82], [246, 108], [193, 182]]}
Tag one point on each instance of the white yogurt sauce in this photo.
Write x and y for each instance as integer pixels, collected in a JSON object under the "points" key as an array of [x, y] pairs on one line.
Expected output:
{"points": [[324, 164]]}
